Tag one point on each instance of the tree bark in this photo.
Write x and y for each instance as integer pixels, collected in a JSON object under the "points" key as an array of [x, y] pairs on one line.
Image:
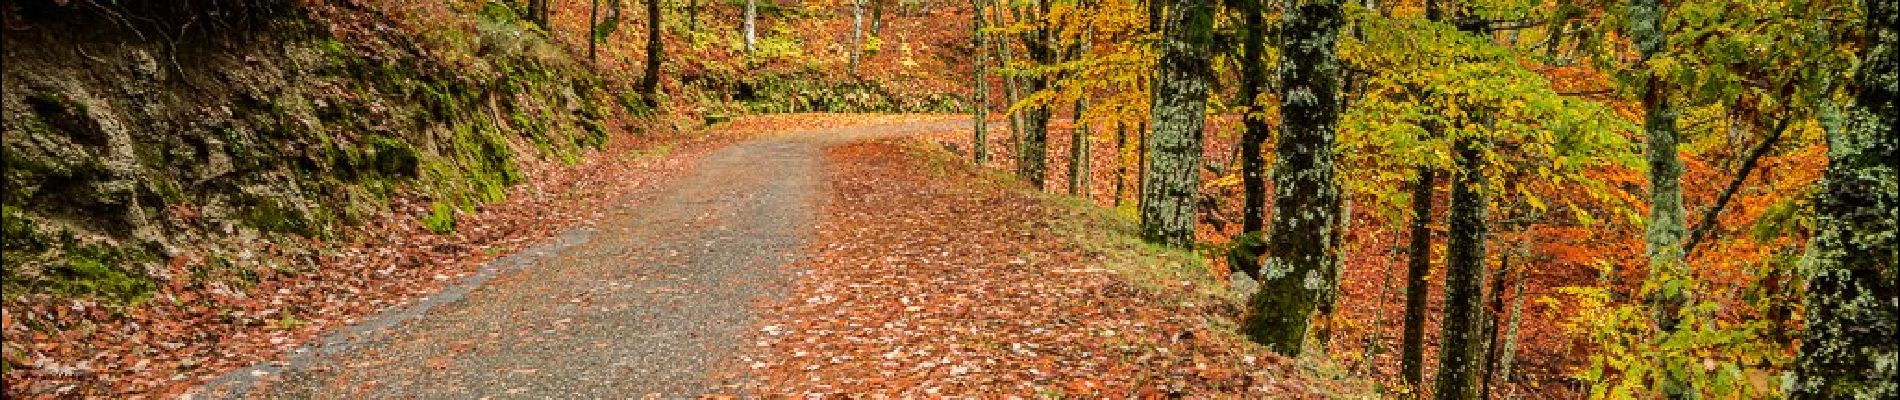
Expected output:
{"points": [[1306, 196], [750, 25], [1460, 353], [1253, 164], [877, 17], [1010, 92], [1664, 233], [857, 34], [1179, 112], [650, 85], [981, 103], [1032, 163], [1853, 299], [1707, 223], [1121, 164], [1079, 168], [692, 16], [593, 31], [1419, 266], [1417, 288]]}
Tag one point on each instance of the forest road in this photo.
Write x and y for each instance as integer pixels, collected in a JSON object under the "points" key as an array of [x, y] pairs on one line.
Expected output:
{"points": [[654, 300]]}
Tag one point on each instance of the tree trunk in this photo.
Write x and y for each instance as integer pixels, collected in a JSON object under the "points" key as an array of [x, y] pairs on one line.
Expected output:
{"points": [[1033, 162], [1664, 233], [1853, 300], [1301, 249], [1253, 164], [1079, 168], [1417, 287], [593, 32], [980, 105], [1010, 92], [751, 25], [692, 16], [1121, 164], [877, 17], [1180, 108], [1494, 314], [857, 34], [1141, 164], [650, 85], [1460, 353], [1032, 158], [1508, 354], [1707, 223], [1419, 266]]}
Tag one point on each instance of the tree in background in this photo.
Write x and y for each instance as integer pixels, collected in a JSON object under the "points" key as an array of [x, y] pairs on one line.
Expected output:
{"points": [[980, 97], [1852, 298], [1301, 249], [601, 28], [750, 25], [650, 84], [1245, 255], [1180, 106]]}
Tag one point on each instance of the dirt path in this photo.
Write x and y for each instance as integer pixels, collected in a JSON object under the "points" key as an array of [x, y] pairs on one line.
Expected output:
{"points": [[650, 302]]}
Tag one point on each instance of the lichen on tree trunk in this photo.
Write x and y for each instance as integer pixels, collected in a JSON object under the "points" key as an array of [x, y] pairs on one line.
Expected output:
{"points": [[1301, 245], [1180, 106], [1462, 338], [1853, 301]]}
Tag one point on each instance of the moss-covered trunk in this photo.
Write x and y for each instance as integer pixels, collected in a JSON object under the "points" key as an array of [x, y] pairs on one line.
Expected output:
{"points": [[1180, 106], [1462, 337], [1301, 246], [1853, 300], [1663, 235]]}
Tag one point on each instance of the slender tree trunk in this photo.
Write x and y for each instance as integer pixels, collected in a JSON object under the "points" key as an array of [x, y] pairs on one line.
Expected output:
{"points": [[1666, 225], [1141, 164], [650, 85], [1253, 164], [1853, 299], [593, 32], [1301, 249], [692, 16], [877, 17], [1079, 169], [751, 25], [1180, 108], [1508, 354], [857, 33], [1460, 352], [981, 105], [1417, 287], [1494, 320], [1707, 223], [1010, 91], [1033, 163], [1121, 164], [1419, 267]]}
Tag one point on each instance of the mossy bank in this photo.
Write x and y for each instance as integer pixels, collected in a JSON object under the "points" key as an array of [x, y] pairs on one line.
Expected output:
{"points": [[246, 136]]}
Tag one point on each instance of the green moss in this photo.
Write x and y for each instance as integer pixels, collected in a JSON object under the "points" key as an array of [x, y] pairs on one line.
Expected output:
{"points": [[392, 157], [100, 271], [441, 218], [19, 232], [272, 216]]}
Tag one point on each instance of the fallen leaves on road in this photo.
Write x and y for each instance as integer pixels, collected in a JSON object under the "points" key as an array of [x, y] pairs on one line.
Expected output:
{"points": [[928, 281]]}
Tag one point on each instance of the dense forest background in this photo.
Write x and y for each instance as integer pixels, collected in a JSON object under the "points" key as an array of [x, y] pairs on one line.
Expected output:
{"points": [[1467, 198]]}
